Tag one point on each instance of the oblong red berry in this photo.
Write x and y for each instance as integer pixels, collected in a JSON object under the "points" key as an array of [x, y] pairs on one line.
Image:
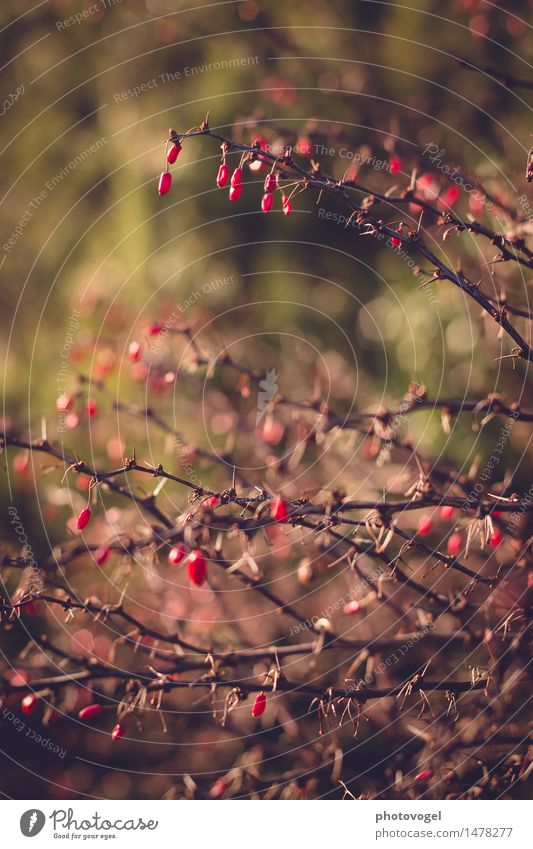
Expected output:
{"points": [[395, 164], [351, 608], [101, 554], [90, 711], [165, 182], [90, 408], [279, 510], [455, 544], [424, 776], [134, 352], [222, 176], [173, 153], [64, 402], [236, 177], [197, 568], [235, 192], [83, 519], [259, 705], [176, 555], [447, 512], [425, 526], [267, 201], [496, 538], [270, 183], [117, 732], [29, 703]]}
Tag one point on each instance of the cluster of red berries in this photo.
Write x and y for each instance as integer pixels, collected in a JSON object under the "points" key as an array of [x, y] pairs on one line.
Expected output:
{"points": [[454, 544], [235, 191], [196, 563], [93, 710]]}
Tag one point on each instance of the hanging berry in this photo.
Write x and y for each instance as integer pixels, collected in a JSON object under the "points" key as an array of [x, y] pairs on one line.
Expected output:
{"points": [[396, 243], [236, 178], [270, 183], [454, 545], [425, 526], [267, 202], [279, 510], [447, 513], [117, 732], [286, 205], [395, 164], [101, 554], [259, 705], [165, 181], [91, 408], [176, 555], [235, 192], [496, 538], [64, 403], [173, 153], [29, 703], [222, 176], [83, 519], [134, 352], [90, 711], [197, 568], [424, 777]]}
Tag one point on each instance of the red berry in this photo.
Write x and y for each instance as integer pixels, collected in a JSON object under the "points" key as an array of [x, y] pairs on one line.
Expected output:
{"points": [[176, 555], [267, 202], [173, 154], [90, 408], [153, 329], [424, 776], [396, 243], [134, 352], [29, 704], [496, 538], [455, 544], [351, 608], [117, 732], [449, 198], [101, 554], [425, 526], [83, 519], [165, 182], [259, 705], [496, 514], [197, 568], [235, 192], [64, 402], [286, 204], [89, 711], [305, 147], [222, 176], [270, 183], [211, 502], [279, 510], [20, 464], [395, 164], [236, 178], [446, 513]]}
